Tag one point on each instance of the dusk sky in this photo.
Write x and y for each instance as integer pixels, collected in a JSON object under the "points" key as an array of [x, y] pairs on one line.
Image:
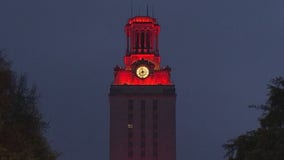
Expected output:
{"points": [[222, 53]]}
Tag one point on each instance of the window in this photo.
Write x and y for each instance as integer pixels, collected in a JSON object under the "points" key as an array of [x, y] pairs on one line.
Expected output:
{"points": [[130, 153], [143, 135], [155, 116], [155, 144], [130, 104], [130, 116], [155, 108], [130, 134], [137, 41], [143, 103], [142, 125], [155, 105], [155, 134], [142, 40], [130, 126], [142, 153], [155, 126], [148, 39], [142, 144], [155, 154]]}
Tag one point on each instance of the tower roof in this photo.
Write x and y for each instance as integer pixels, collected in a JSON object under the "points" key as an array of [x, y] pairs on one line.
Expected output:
{"points": [[142, 19]]}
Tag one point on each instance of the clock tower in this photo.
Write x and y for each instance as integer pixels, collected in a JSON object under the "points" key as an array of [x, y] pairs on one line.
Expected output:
{"points": [[142, 98]]}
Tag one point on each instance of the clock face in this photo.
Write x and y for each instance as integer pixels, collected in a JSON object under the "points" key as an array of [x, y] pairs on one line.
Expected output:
{"points": [[142, 72]]}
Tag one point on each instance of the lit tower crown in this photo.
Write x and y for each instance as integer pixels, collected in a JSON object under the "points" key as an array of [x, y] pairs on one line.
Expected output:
{"points": [[142, 35], [142, 60]]}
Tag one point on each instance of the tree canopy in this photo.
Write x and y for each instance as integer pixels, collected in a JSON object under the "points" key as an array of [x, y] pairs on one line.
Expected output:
{"points": [[22, 127], [267, 141]]}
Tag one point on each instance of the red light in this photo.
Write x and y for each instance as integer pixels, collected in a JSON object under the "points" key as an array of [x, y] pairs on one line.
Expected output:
{"points": [[142, 46], [124, 77], [142, 19], [129, 60]]}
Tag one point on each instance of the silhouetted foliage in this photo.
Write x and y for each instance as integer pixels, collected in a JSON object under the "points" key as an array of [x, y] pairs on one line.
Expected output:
{"points": [[21, 125], [266, 142]]}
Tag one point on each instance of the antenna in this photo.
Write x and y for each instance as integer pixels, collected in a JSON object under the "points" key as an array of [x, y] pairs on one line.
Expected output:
{"points": [[131, 8], [147, 10], [153, 10], [139, 10]]}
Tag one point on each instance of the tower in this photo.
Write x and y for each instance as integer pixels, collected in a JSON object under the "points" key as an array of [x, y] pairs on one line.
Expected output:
{"points": [[142, 98]]}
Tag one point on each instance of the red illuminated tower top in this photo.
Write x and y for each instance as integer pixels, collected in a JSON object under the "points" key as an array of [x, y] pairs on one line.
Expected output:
{"points": [[142, 60]]}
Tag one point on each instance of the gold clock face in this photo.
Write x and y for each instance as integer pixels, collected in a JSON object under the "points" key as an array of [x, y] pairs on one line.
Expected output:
{"points": [[142, 72]]}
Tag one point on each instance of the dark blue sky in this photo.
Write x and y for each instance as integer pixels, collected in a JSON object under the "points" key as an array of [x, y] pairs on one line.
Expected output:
{"points": [[222, 54]]}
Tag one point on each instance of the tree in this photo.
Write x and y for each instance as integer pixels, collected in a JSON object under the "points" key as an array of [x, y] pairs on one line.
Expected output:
{"points": [[22, 127], [267, 141]]}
